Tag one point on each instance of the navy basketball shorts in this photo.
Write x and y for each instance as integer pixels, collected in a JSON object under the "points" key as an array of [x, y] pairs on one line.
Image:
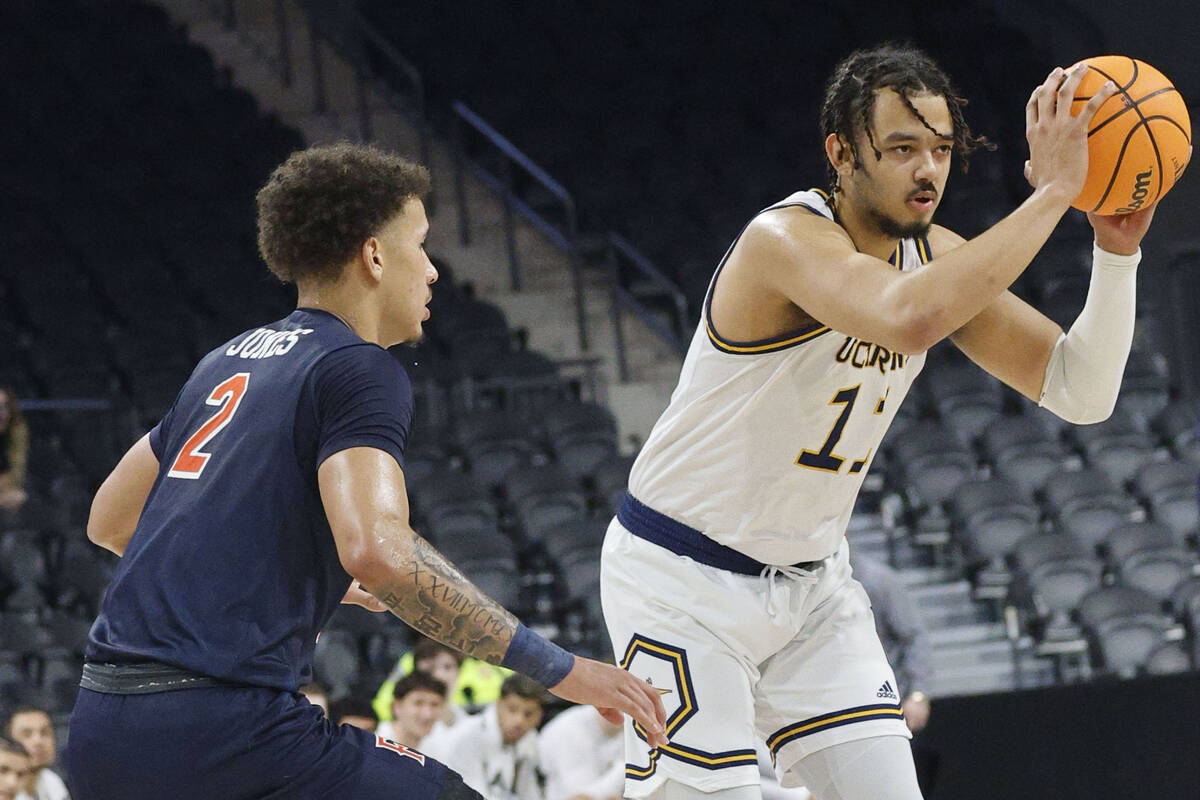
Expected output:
{"points": [[230, 743]]}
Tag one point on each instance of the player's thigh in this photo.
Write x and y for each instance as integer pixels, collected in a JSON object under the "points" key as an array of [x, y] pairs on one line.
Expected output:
{"points": [[390, 769], [705, 681], [878, 768], [234, 743], [831, 684]]}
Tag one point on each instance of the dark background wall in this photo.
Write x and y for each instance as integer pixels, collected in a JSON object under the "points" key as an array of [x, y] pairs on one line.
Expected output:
{"points": [[1133, 740]]}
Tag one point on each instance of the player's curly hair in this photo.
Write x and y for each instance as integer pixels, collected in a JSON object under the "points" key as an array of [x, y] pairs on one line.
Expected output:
{"points": [[321, 204], [850, 98]]}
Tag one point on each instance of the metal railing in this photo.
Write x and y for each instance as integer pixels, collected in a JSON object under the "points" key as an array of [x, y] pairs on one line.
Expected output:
{"points": [[505, 182], [516, 180], [639, 286], [343, 28]]}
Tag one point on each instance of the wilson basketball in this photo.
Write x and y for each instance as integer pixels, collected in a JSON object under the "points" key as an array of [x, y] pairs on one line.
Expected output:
{"points": [[1139, 142]]}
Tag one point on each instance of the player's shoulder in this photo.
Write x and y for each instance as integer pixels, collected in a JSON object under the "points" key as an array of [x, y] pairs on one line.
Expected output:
{"points": [[942, 239], [793, 228]]}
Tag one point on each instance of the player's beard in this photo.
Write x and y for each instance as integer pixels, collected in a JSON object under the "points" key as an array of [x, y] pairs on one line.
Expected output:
{"points": [[898, 230]]}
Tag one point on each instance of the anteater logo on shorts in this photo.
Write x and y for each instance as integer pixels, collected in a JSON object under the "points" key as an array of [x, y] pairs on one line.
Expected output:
{"points": [[1141, 188], [399, 749]]}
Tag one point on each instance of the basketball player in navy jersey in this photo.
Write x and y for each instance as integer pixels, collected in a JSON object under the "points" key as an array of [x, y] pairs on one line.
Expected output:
{"points": [[268, 493], [725, 576]]}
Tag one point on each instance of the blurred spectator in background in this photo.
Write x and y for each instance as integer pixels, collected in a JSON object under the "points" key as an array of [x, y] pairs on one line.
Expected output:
{"points": [[908, 650], [14, 450], [30, 726], [469, 681], [417, 705], [496, 751], [316, 694], [15, 769], [355, 712], [583, 756]]}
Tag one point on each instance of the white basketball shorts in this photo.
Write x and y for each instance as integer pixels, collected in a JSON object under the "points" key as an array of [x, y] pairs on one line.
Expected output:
{"points": [[791, 657]]}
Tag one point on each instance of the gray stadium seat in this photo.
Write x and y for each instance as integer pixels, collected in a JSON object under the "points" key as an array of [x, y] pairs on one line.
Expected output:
{"points": [[933, 461], [1179, 425], [1116, 446], [990, 518], [494, 443], [1169, 488], [1056, 571], [543, 496], [1023, 451], [475, 544], [1146, 557], [1168, 658], [610, 479], [1125, 623]]}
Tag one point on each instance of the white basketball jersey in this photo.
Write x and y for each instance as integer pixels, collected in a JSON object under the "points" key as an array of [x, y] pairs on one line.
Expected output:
{"points": [[765, 444]]}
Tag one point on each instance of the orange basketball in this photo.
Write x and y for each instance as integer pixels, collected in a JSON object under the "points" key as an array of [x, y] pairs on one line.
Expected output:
{"points": [[1139, 141]]}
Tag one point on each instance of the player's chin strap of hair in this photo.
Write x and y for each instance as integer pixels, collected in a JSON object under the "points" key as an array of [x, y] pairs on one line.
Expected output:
{"points": [[1084, 374]]}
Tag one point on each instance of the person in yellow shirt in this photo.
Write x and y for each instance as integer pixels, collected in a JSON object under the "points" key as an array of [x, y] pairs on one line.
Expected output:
{"points": [[469, 681]]}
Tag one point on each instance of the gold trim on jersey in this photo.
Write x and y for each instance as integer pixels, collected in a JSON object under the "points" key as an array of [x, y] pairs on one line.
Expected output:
{"points": [[835, 720], [765, 345]]}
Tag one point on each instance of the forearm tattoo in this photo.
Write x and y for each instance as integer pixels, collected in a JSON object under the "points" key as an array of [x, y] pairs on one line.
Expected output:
{"points": [[436, 599]]}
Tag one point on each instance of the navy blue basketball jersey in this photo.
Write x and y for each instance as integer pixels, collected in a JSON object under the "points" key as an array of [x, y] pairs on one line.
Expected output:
{"points": [[232, 570]]}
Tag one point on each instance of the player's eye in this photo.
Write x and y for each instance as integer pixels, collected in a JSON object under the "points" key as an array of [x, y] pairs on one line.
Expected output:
{"points": [[945, 149], [903, 149]]}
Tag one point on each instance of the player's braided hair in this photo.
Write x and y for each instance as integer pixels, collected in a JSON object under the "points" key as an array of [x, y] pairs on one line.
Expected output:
{"points": [[850, 98], [320, 205]]}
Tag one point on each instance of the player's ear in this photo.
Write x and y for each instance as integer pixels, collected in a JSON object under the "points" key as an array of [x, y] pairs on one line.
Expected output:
{"points": [[371, 257], [838, 151]]}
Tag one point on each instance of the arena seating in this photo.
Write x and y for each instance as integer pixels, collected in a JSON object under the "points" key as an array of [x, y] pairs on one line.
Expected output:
{"points": [[1089, 535]]}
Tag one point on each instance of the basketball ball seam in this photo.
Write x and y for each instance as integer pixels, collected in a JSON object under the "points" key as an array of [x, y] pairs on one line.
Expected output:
{"points": [[1155, 93], [1134, 105]]}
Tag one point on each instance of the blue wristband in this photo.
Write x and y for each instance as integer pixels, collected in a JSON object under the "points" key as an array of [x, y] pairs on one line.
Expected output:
{"points": [[532, 655]]}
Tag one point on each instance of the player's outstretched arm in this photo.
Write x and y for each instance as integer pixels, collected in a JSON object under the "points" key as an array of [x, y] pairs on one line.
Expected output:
{"points": [[366, 501], [118, 503], [813, 262], [1076, 375]]}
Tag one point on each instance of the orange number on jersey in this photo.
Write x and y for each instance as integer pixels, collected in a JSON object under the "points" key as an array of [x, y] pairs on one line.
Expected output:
{"points": [[228, 395]]}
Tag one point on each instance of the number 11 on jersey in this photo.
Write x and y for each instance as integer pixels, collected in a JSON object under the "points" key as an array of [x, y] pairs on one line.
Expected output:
{"points": [[228, 395], [825, 459]]}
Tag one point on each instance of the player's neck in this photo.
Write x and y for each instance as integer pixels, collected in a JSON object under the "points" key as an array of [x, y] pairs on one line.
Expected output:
{"points": [[862, 230], [356, 315]]}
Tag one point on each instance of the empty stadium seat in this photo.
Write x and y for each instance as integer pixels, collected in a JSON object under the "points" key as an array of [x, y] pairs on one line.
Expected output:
{"points": [[990, 518], [1117, 446], [1170, 489], [1055, 571], [933, 461], [1146, 557], [1126, 624], [1087, 504], [1023, 451]]}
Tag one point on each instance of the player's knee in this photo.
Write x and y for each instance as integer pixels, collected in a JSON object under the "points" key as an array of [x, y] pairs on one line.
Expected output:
{"points": [[455, 789]]}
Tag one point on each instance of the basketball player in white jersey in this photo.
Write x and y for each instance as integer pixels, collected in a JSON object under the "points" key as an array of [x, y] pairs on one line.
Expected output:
{"points": [[725, 576]]}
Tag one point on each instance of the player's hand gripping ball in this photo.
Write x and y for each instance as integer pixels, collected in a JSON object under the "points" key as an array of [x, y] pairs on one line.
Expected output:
{"points": [[1140, 140]]}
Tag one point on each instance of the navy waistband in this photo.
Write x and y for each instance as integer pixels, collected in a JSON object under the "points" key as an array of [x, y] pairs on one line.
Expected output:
{"points": [[653, 526], [146, 677]]}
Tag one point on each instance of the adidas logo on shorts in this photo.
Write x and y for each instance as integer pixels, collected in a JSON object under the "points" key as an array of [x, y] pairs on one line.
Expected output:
{"points": [[887, 691]]}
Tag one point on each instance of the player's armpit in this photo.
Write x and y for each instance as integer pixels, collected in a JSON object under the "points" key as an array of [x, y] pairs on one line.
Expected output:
{"points": [[118, 504], [365, 499]]}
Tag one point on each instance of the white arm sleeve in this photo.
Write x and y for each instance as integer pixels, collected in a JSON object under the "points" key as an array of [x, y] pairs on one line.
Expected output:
{"points": [[1083, 376]]}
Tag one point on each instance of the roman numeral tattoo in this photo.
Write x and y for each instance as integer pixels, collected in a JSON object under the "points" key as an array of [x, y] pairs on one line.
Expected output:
{"points": [[437, 600]]}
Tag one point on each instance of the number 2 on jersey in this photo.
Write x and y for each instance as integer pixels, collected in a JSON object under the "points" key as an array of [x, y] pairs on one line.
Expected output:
{"points": [[824, 458], [228, 395]]}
